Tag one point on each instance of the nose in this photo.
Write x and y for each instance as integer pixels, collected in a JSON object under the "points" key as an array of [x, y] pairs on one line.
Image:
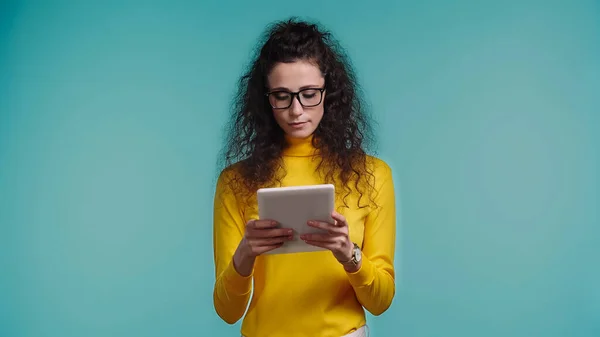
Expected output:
{"points": [[296, 108]]}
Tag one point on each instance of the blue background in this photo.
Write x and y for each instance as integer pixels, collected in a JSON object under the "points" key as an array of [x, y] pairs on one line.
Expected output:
{"points": [[110, 122]]}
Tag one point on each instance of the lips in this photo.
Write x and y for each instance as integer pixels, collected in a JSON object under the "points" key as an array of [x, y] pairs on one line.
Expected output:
{"points": [[298, 125]]}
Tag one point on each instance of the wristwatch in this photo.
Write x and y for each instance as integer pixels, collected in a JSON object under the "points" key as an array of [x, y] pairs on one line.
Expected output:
{"points": [[356, 256]]}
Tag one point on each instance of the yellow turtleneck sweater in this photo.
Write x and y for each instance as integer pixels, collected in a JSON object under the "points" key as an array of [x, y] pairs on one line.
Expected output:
{"points": [[306, 294]]}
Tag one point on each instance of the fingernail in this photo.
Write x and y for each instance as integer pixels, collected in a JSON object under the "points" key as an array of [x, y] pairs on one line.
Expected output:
{"points": [[290, 231]]}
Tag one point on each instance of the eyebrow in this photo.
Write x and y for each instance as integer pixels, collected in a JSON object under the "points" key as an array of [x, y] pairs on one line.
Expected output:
{"points": [[310, 86]]}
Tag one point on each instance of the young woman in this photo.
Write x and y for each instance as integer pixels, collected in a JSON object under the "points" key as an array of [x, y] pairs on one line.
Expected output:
{"points": [[298, 120]]}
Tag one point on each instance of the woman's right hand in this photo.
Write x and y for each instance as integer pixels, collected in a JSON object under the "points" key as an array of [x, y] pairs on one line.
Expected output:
{"points": [[260, 237]]}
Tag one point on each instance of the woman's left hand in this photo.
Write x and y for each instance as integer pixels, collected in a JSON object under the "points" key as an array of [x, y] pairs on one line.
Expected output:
{"points": [[337, 238]]}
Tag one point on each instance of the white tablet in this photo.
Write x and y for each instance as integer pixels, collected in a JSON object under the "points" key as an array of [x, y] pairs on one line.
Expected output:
{"points": [[292, 207]]}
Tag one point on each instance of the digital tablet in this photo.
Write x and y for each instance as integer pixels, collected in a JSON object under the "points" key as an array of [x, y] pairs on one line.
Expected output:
{"points": [[293, 207]]}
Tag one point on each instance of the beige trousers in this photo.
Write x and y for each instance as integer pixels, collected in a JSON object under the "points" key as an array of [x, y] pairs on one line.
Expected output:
{"points": [[360, 332]]}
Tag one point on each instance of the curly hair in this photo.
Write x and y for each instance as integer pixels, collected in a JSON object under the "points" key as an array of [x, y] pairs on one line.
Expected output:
{"points": [[255, 141]]}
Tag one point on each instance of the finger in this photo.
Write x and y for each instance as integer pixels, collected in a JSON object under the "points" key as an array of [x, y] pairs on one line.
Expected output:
{"points": [[319, 237], [268, 233], [261, 224], [326, 245], [264, 249], [340, 220], [330, 228], [268, 241]]}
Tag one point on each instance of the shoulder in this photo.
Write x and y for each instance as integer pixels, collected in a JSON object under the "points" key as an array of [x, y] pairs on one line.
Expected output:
{"points": [[381, 181], [230, 171], [228, 178], [380, 169]]}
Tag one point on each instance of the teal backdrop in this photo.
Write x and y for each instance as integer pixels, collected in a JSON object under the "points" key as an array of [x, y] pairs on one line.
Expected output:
{"points": [[110, 125]]}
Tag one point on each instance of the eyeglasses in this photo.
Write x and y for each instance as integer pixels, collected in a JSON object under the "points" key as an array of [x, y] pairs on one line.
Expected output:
{"points": [[308, 97]]}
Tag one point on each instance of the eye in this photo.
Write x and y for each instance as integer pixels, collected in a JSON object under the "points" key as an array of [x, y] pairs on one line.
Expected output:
{"points": [[310, 93], [281, 96]]}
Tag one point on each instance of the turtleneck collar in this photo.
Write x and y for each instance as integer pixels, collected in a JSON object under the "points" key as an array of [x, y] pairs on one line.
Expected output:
{"points": [[299, 147]]}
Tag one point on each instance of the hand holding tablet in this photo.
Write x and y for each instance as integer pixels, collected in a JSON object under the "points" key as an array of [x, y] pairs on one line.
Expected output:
{"points": [[292, 208]]}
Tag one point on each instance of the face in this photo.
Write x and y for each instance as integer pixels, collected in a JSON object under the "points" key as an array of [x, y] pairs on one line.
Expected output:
{"points": [[298, 115]]}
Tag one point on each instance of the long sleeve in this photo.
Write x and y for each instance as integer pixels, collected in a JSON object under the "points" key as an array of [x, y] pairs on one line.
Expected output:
{"points": [[231, 290], [374, 282]]}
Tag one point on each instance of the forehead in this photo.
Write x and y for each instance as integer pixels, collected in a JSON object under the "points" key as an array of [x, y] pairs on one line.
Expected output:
{"points": [[295, 75]]}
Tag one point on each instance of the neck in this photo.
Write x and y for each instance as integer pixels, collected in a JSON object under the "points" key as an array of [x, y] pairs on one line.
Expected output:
{"points": [[299, 147]]}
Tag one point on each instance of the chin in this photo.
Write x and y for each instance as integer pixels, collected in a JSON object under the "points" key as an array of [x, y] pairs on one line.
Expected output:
{"points": [[299, 133]]}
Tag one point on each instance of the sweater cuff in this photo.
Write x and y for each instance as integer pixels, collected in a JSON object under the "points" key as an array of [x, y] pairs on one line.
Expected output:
{"points": [[363, 276], [236, 283]]}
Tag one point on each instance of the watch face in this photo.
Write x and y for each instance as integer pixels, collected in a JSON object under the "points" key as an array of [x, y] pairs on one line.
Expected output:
{"points": [[357, 253]]}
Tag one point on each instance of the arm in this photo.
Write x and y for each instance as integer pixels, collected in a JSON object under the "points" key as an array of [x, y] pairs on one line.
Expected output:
{"points": [[232, 290], [374, 282]]}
